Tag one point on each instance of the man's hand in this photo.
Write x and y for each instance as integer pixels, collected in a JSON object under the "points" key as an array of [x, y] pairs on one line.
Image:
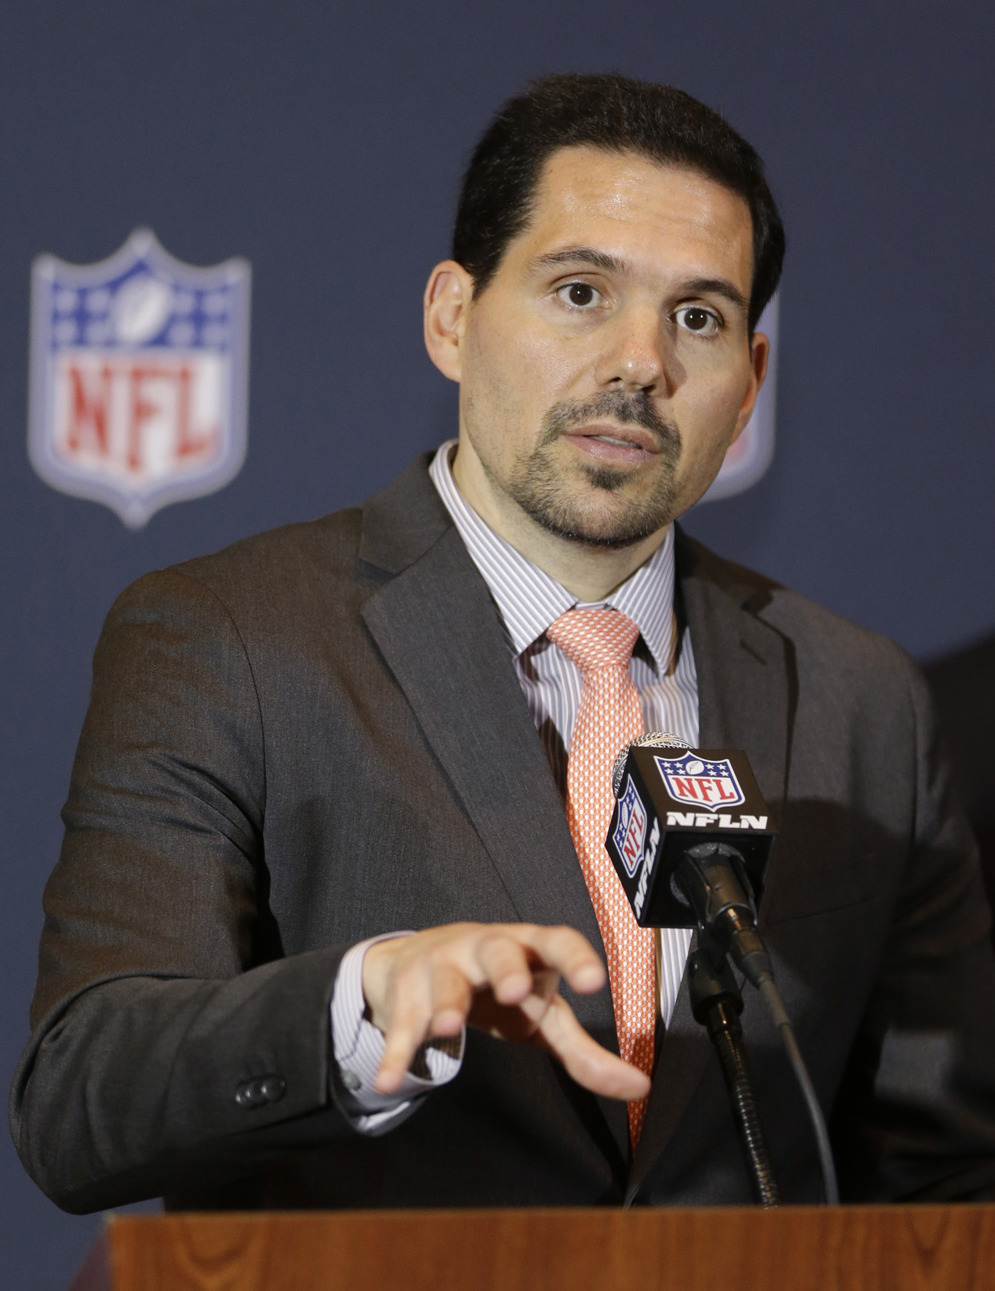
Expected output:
{"points": [[502, 978]]}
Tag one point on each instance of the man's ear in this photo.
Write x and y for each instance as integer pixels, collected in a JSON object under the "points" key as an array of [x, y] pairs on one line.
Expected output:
{"points": [[759, 354], [447, 298]]}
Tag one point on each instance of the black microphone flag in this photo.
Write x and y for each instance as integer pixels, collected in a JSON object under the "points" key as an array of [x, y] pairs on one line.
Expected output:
{"points": [[670, 798]]}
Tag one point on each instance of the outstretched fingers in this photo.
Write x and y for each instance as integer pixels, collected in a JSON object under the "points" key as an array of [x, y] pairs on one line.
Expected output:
{"points": [[585, 1060], [502, 977], [566, 951]]}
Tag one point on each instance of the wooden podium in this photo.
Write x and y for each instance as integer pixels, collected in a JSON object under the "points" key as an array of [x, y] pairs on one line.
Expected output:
{"points": [[850, 1248]]}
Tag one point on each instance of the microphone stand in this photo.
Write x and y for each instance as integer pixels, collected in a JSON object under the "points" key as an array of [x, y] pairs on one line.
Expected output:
{"points": [[716, 1002], [714, 880]]}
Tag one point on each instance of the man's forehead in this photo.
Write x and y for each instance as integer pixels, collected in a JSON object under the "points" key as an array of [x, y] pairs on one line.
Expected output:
{"points": [[628, 196], [582, 175]]}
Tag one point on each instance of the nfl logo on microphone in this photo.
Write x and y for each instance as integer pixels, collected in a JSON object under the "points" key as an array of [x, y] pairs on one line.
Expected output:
{"points": [[709, 784], [630, 832], [139, 377]]}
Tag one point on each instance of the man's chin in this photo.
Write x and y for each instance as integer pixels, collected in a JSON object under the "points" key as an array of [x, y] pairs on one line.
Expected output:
{"points": [[606, 529], [607, 479], [603, 507]]}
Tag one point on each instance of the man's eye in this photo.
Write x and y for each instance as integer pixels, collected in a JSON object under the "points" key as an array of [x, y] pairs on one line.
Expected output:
{"points": [[579, 294], [695, 319]]}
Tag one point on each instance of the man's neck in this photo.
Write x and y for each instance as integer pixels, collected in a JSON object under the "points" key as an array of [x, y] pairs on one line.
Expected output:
{"points": [[591, 573]]}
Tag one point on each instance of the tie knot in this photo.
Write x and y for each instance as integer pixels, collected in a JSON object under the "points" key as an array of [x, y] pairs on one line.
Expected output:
{"points": [[594, 639]]}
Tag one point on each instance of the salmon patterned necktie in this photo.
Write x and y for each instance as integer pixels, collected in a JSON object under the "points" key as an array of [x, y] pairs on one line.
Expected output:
{"points": [[599, 643]]}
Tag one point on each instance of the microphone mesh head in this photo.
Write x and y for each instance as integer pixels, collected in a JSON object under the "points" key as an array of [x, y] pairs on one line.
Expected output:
{"points": [[658, 739]]}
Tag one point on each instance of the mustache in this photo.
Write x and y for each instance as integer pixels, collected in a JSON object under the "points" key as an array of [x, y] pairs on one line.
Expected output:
{"points": [[633, 409]]}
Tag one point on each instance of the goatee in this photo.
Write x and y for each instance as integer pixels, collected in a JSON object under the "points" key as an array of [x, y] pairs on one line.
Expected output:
{"points": [[543, 494]]}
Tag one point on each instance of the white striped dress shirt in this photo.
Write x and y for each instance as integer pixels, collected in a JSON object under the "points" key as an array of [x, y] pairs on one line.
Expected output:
{"points": [[528, 601]]}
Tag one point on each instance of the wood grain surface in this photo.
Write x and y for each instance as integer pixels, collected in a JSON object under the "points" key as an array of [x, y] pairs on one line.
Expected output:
{"points": [[914, 1248]]}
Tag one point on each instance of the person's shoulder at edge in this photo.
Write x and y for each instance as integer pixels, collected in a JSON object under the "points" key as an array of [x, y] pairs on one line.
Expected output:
{"points": [[406, 510]]}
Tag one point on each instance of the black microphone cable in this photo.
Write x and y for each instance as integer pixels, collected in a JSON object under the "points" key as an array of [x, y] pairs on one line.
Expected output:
{"points": [[713, 878], [775, 1006]]}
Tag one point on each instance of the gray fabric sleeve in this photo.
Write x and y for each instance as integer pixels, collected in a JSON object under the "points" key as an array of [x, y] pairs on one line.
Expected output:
{"points": [[168, 1028]]}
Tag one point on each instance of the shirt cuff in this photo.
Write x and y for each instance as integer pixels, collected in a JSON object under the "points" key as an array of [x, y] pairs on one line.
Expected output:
{"points": [[358, 1046]]}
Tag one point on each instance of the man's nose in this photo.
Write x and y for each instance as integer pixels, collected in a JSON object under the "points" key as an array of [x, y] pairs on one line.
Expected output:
{"points": [[639, 353]]}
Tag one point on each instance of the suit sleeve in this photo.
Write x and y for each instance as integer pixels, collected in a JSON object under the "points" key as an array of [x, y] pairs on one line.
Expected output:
{"points": [[916, 1115], [170, 1034]]}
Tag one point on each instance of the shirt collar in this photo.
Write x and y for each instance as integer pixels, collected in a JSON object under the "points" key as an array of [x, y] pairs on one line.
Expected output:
{"points": [[529, 600]]}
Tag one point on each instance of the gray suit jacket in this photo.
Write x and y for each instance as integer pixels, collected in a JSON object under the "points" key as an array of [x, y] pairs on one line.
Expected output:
{"points": [[316, 736]]}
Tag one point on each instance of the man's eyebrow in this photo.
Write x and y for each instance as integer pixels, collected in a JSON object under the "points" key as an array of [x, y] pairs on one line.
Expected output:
{"points": [[715, 287], [581, 255]]}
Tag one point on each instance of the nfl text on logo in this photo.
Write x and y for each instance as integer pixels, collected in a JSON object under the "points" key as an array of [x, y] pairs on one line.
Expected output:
{"points": [[139, 377], [708, 786]]}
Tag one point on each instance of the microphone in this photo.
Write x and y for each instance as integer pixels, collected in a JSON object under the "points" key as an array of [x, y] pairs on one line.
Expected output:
{"points": [[690, 837], [712, 876]]}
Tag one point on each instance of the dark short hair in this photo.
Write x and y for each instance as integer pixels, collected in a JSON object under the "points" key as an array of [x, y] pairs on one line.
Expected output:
{"points": [[618, 115]]}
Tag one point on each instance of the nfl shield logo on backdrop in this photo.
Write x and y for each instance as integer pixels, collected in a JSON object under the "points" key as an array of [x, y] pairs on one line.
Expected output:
{"points": [[139, 377], [748, 459]]}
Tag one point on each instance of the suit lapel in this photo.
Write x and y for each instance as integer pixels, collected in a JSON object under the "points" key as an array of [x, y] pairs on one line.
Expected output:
{"points": [[744, 702], [438, 631], [743, 665]]}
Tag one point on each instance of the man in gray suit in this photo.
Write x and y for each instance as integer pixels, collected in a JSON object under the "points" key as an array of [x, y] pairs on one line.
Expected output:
{"points": [[317, 875]]}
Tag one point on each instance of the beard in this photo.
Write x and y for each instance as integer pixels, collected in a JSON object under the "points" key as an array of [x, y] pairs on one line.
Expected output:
{"points": [[607, 519]]}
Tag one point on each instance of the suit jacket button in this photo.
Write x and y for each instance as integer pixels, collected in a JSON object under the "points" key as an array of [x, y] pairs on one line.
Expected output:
{"points": [[273, 1088], [250, 1094]]}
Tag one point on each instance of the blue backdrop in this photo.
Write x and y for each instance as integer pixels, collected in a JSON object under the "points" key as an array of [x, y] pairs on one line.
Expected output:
{"points": [[323, 142]]}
